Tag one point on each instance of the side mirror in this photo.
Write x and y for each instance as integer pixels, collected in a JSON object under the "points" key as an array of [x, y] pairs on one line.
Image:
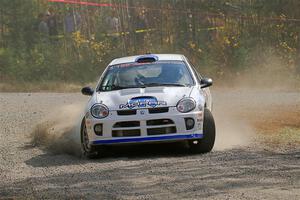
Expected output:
{"points": [[87, 91], [206, 82]]}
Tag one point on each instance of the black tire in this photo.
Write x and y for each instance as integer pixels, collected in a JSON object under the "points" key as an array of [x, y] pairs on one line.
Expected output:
{"points": [[88, 150], [205, 144]]}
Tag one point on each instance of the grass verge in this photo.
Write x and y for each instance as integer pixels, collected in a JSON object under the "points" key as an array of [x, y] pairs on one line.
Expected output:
{"points": [[286, 139], [42, 87]]}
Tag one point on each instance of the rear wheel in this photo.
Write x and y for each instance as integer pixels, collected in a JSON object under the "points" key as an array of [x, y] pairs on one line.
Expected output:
{"points": [[88, 150], [205, 144]]}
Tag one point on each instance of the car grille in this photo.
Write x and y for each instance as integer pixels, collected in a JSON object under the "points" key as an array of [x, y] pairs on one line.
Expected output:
{"points": [[157, 122], [158, 110], [161, 131], [127, 124], [126, 133], [150, 110], [153, 127], [126, 112]]}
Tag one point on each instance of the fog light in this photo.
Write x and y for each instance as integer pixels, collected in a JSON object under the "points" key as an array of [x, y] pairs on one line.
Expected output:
{"points": [[98, 128], [189, 123]]}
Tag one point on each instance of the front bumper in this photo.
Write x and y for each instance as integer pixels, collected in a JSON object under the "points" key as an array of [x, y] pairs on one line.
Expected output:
{"points": [[142, 116], [166, 138]]}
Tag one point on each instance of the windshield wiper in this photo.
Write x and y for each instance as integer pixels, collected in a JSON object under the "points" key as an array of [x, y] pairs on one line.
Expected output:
{"points": [[117, 87], [164, 84]]}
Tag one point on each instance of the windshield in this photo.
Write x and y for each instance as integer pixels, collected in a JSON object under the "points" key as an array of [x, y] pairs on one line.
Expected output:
{"points": [[137, 75]]}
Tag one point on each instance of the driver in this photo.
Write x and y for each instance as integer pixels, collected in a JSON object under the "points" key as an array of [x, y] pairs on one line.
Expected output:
{"points": [[170, 74], [126, 77]]}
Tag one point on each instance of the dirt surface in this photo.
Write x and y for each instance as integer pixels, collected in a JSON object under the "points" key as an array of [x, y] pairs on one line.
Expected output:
{"points": [[40, 157]]}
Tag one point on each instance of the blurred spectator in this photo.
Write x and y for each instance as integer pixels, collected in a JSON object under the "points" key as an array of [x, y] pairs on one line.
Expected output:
{"points": [[113, 23], [141, 22], [140, 29], [72, 22], [52, 22], [298, 64], [43, 26]]}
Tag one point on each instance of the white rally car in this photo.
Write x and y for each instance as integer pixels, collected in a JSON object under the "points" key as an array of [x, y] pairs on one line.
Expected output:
{"points": [[148, 98]]}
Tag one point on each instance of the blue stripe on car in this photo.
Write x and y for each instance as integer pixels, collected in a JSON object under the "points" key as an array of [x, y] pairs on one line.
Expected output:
{"points": [[146, 139]]}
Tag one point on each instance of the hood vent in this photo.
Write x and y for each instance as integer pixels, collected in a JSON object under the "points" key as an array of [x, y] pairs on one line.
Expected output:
{"points": [[147, 59]]}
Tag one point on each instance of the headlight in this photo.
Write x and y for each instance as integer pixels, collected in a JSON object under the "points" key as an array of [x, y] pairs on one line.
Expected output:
{"points": [[99, 111], [186, 105]]}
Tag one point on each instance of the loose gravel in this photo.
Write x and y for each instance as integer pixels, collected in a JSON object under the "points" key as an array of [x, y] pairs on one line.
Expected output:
{"points": [[238, 168]]}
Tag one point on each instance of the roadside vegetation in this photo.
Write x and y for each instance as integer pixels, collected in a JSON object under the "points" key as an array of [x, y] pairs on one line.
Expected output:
{"points": [[283, 139], [278, 128], [48, 45]]}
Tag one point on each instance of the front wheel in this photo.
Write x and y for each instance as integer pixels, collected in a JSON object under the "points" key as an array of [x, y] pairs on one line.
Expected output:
{"points": [[88, 150], [205, 144]]}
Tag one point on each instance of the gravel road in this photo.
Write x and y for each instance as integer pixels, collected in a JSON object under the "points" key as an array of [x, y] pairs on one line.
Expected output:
{"points": [[240, 167]]}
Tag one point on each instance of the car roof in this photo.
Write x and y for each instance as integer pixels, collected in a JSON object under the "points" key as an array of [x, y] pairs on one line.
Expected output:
{"points": [[131, 59]]}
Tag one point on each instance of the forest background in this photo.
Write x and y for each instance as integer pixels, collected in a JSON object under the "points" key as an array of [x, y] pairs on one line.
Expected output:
{"points": [[52, 44]]}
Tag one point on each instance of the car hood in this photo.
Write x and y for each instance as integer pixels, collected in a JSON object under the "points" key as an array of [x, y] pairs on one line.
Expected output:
{"points": [[165, 96]]}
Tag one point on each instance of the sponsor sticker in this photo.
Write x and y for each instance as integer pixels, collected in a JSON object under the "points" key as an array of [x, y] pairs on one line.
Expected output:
{"points": [[142, 102]]}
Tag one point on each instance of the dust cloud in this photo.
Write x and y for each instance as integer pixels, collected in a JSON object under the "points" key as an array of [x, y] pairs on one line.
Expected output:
{"points": [[231, 131], [245, 97], [265, 70], [236, 111], [59, 132]]}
